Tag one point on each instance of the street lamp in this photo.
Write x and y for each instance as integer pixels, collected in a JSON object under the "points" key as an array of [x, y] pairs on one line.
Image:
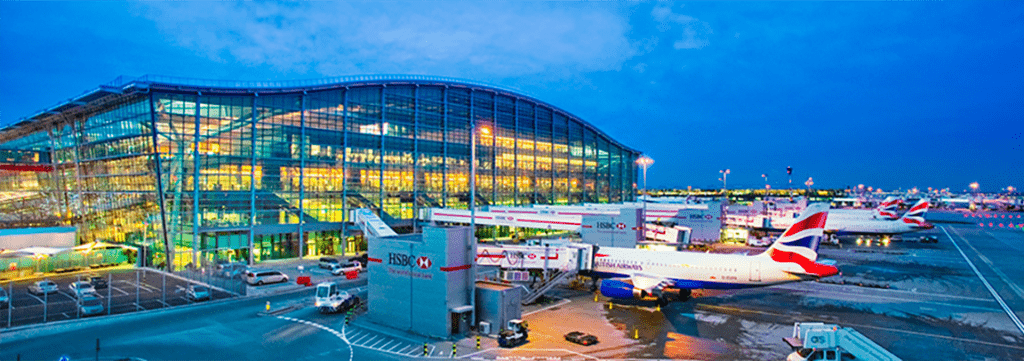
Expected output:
{"points": [[472, 177], [645, 161], [725, 176], [809, 183]]}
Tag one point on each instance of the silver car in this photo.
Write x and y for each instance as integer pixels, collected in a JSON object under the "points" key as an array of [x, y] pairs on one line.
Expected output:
{"points": [[81, 288], [197, 292], [90, 305], [42, 287], [261, 277]]}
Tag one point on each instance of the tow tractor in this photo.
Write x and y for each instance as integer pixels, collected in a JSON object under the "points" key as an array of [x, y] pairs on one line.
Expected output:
{"points": [[330, 299], [514, 335]]}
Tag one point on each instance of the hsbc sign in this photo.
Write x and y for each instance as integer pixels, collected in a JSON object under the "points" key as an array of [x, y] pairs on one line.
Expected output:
{"points": [[405, 260], [610, 225]]}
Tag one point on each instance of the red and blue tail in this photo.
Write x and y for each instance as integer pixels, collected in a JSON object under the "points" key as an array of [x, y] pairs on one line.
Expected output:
{"points": [[887, 209], [799, 244], [915, 216]]}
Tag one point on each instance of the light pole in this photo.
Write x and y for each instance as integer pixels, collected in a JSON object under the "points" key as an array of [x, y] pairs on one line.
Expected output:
{"points": [[766, 186], [645, 161], [725, 175], [809, 183], [974, 189], [472, 178]]}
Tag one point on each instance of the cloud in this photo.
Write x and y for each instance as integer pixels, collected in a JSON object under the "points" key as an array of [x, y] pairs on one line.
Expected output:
{"points": [[487, 38], [695, 33]]}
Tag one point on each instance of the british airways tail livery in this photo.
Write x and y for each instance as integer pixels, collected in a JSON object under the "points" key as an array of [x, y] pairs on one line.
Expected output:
{"points": [[666, 276], [887, 210], [915, 216]]}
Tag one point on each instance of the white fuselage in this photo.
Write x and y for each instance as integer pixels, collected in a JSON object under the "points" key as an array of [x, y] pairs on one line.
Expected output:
{"points": [[853, 225], [717, 271]]}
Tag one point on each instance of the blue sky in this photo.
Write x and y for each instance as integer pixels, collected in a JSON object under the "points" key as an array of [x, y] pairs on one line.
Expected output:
{"points": [[887, 94]]}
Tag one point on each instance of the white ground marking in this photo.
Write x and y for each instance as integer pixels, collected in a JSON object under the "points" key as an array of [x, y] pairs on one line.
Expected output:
{"points": [[1006, 308], [560, 303]]}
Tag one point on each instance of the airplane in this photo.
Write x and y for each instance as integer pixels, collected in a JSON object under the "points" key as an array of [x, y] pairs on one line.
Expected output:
{"points": [[911, 221], [629, 273], [885, 210]]}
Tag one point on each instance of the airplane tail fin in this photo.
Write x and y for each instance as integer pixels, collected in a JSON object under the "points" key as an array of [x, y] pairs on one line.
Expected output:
{"points": [[799, 243], [887, 209], [915, 216]]}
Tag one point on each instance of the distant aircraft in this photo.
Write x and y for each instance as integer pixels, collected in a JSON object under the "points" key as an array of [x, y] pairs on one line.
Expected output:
{"points": [[911, 221], [665, 276], [885, 210]]}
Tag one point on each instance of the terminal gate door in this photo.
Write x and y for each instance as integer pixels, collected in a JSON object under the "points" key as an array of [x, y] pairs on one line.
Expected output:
{"points": [[755, 271]]}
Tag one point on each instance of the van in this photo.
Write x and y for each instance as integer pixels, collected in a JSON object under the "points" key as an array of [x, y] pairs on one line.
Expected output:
{"points": [[262, 277], [328, 262]]}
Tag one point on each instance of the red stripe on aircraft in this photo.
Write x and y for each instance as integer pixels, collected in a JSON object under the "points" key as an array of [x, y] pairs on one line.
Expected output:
{"points": [[814, 221], [809, 266]]}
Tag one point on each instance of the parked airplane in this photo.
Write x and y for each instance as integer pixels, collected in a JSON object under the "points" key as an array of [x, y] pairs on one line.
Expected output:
{"points": [[885, 210], [664, 276], [911, 221]]}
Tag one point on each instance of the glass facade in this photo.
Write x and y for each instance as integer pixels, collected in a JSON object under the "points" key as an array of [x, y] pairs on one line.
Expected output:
{"points": [[205, 172]]}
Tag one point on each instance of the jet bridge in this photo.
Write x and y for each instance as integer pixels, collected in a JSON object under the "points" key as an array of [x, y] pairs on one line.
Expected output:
{"points": [[370, 224], [557, 263]]}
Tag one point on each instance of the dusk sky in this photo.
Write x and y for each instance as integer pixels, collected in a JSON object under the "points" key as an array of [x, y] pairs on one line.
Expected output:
{"points": [[886, 94]]}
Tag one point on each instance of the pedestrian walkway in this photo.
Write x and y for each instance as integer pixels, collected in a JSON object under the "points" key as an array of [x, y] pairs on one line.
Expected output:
{"points": [[373, 340]]}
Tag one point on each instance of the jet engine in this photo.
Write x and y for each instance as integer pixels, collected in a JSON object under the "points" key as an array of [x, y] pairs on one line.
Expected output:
{"points": [[613, 288]]}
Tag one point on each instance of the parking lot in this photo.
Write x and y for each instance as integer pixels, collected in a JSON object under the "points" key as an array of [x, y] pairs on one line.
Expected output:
{"points": [[128, 290]]}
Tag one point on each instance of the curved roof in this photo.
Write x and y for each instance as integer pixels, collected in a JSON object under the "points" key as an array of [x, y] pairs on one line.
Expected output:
{"points": [[124, 86]]}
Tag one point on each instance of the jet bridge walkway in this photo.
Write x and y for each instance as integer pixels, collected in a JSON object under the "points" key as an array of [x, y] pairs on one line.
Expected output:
{"points": [[557, 263]]}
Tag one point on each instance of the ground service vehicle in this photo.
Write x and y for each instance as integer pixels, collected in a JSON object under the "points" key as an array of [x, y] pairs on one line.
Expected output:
{"points": [[814, 341], [515, 334], [581, 338], [330, 299]]}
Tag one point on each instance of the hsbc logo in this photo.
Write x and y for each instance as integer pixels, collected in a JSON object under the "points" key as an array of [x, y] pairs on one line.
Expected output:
{"points": [[610, 225], [423, 262], [404, 260]]}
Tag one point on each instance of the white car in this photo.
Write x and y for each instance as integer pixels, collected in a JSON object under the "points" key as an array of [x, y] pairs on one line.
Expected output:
{"points": [[91, 305], [81, 288], [42, 287], [262, 277], [342, 268]]}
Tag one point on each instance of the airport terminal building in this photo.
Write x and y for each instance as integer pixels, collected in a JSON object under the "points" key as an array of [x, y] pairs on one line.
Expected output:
{"points": [[268, 170]]}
